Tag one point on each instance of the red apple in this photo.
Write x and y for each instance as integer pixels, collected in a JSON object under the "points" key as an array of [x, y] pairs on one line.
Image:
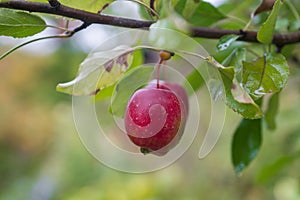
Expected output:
{"points": [[153, 118], [176, 88], [182, 95]]}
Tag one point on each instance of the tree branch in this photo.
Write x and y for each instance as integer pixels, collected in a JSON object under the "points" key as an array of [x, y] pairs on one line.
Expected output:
{"points": [[93, 18], [65, 11]]}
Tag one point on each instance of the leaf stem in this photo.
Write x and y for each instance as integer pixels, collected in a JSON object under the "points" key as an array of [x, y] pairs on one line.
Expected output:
{"points": [[248, 24], [29, 42]]}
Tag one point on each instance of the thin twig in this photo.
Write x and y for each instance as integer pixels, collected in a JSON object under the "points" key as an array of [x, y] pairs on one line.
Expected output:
{"points": [[29, 42], [67, 34], [77, 29]]}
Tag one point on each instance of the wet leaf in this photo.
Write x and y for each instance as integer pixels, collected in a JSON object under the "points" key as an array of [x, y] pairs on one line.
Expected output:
{"points": [[243, 105], [267, 74], [237, 62], [20, 24], [246, 143], [226, 41], [247, 108]]}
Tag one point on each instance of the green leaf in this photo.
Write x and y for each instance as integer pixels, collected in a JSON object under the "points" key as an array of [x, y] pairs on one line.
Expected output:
{"points": [[124, 89], [105, 93], [237, 62], [272, 111], [266, 31], [99, 70], [270, 171], [108, 91], [246, 143], [20, 24], [236, 59], [225, 57], [194, 80], [244, 105], [239, 94], [267, 74], [226, 41], [199, 13], [138, 60], [236, 98]]}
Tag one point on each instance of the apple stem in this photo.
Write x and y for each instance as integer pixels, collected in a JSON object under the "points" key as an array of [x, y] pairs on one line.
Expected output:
{"points": [[164, 55], [164, 72], [158, 71]]}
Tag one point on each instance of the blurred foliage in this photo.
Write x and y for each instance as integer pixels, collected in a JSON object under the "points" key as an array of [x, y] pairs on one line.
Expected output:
{"points": [[41, 156]]}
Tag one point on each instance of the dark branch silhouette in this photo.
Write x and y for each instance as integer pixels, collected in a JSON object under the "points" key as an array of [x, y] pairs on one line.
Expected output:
{"points": [[54, 7]]}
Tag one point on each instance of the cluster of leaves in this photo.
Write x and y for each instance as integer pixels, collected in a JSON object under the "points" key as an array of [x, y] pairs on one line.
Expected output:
{"points": [[249, 74], [247, 82]]}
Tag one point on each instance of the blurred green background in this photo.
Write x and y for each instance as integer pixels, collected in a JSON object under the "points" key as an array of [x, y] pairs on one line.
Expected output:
{"points": [[42, 157]]}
